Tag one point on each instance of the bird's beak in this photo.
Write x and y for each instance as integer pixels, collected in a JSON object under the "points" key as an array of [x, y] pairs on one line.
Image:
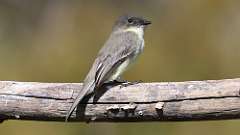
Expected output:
{"points": [[146, 22]]}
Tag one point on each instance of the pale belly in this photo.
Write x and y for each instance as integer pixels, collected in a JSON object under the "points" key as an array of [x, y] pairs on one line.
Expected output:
{"points": [[125, 65]]}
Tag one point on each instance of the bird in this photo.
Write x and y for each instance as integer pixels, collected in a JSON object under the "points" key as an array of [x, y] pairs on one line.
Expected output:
{"points": [[124, 45]]}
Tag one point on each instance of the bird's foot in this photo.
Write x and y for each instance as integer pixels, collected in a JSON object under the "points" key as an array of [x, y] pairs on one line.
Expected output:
{"points": [[120, 81], [125, 83]]}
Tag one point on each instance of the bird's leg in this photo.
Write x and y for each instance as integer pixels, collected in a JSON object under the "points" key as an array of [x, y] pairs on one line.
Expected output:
{"points": [[125, 83], [130, 83], [115, 82], [121, 81]]}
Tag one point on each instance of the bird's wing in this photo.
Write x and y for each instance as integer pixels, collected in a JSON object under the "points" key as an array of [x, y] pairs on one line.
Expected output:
{"points": [[116, 50], [110, 56]]}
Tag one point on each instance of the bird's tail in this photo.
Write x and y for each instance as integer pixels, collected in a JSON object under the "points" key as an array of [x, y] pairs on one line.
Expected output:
{"points": [[87, 89]]}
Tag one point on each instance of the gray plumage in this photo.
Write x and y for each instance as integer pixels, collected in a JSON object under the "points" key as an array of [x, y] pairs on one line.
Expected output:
{"points": [[120, 50]]}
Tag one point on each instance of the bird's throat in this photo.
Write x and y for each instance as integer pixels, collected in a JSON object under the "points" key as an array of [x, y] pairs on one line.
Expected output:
{"points": [[137, 30]]}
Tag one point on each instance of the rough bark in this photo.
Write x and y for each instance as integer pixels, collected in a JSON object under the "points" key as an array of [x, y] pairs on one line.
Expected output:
{"points": [[165, 101]]}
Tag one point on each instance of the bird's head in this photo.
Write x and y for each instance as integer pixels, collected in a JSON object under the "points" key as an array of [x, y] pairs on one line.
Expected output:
{"points": [[130, 22]]}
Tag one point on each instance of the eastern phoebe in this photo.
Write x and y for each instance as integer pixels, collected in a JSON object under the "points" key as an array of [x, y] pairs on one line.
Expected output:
{"points": [[121, 49]]}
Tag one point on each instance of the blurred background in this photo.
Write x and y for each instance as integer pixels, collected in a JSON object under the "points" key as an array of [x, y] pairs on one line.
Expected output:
{"points": [[57, 41]]}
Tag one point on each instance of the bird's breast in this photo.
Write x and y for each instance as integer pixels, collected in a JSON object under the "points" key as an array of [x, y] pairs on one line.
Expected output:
{"points": [[120, 69], [127, 63]]}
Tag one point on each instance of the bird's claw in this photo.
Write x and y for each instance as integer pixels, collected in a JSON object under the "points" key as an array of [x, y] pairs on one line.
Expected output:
{"points": [[123, 83], [127, 83]]}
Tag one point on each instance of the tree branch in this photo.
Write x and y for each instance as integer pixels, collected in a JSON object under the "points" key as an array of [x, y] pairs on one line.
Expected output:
{"points": [[167, 101]]}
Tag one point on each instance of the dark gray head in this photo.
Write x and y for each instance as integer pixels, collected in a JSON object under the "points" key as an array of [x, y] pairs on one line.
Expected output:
{"points": [[127, 21]]}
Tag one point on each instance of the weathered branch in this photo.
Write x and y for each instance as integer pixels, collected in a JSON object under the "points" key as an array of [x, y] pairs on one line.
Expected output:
{"points": [[168, 101]]}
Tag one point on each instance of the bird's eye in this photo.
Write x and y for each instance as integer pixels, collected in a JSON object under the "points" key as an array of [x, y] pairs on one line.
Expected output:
{"points": [[130, 20]]}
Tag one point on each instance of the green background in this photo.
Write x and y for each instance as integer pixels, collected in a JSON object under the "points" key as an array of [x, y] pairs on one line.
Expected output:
{"points": [[57, 41]]}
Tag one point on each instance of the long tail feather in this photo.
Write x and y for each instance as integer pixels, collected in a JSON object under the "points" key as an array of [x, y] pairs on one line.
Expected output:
{"points": [[87, 89]]}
